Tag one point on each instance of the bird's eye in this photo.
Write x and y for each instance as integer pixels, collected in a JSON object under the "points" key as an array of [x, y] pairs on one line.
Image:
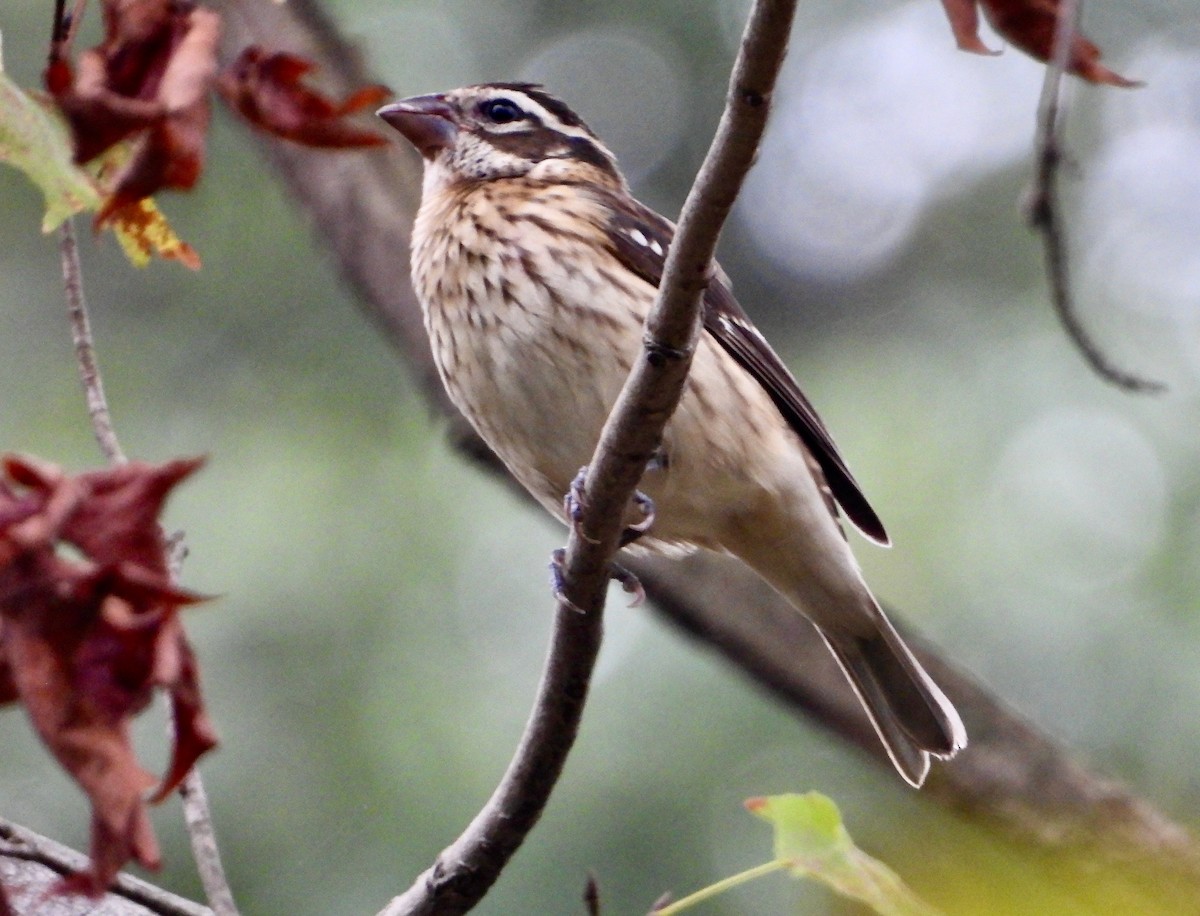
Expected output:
{"points": [[501, 111]]}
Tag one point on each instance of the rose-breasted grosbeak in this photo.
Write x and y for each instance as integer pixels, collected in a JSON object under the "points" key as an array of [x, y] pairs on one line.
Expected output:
{"points": [[536, 267]]}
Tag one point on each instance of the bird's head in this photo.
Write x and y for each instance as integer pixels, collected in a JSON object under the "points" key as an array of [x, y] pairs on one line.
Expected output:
{"points": [[502, 130]]}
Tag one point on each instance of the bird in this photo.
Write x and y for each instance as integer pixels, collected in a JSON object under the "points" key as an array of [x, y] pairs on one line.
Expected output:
{"points": [[535, 267]]}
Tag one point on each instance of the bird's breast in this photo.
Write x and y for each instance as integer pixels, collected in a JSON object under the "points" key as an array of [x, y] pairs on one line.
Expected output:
{"points": [[533, 334]]}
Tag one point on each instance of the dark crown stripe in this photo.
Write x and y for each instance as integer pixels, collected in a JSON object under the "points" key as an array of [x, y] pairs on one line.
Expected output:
{"points": [[555, 106]]}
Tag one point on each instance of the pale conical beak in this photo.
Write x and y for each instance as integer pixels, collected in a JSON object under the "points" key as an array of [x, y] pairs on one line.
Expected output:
{"points": [[429, 122]]}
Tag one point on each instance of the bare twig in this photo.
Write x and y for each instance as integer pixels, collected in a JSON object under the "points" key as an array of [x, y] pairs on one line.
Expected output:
{"points": [[1044, 209], [85, 350], [63, 29], [465, 870], [58, 30], [196, 811], [20, 843], [203, 836]]}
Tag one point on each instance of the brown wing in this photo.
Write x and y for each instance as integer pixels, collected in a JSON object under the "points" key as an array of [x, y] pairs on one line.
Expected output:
{"points": [[639, 238]]}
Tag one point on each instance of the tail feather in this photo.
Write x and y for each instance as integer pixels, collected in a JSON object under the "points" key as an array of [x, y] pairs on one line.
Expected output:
{"points": [[910, 713]]}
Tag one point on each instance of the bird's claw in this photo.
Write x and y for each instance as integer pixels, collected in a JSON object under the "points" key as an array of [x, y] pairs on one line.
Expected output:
{"points": [[631, 584], [574, 501], [632, 532], [627, 580], [557, 585]]}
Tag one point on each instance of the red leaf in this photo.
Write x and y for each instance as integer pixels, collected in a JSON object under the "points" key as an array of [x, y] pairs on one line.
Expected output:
{"points": [[1030, 25], [964, 22], [85, 641], [151, 76], [194, 733], [266, 89]]}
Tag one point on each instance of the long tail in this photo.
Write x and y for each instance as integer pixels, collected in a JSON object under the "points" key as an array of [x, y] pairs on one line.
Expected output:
{"points": [[911, 714]]}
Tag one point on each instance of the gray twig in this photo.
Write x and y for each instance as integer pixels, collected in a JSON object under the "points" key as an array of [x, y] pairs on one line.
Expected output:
{"points": [[203, 836], [196, 811], [21, 844], [1045, 211], [85, 349]]}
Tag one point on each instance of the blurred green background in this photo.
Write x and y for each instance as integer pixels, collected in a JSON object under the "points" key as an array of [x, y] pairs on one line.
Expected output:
{"points": [[383, 608]]}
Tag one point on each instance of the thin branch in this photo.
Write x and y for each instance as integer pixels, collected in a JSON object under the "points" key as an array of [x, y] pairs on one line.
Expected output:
{"points": [[196, 811], [464, 871], [63, 29], [1045, 209], [634, 429], [203, 836], [58, 30], [85, 350], [20, 843]]}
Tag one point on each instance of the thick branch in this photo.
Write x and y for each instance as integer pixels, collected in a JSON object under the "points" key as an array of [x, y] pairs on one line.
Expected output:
{"points": [[1013, 776]]}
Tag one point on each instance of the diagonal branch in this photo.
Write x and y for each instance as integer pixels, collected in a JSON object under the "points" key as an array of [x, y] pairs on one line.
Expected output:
{"points": [[196, 811], [1045, 209], [465, 870]]}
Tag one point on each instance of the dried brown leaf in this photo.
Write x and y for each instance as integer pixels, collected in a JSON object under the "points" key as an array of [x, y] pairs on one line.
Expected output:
{"points": [[267, 90], [87, 635], [1030, 25], [148, 80]]}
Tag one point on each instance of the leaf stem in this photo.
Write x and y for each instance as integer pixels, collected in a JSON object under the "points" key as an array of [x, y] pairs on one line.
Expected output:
{"points": [[720, 887]]}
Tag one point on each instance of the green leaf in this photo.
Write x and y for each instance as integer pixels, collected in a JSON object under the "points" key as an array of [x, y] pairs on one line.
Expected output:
{"points": [[36, 141], [812, 842]]}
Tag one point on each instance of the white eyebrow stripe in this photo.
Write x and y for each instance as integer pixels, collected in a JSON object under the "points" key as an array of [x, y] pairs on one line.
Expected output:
{"points": [[548, 118]]}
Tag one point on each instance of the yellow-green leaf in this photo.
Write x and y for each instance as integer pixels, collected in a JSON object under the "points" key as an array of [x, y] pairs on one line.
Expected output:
{"points": [[35, 140], [811, 840]]}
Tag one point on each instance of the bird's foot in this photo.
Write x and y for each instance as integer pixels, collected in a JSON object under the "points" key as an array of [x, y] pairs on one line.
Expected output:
{"points": [[574, 502], [628, 581]]}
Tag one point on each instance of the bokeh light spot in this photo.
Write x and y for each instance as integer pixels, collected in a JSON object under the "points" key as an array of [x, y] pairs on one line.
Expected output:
{"points": [[1078, 499], [870, 128]]}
